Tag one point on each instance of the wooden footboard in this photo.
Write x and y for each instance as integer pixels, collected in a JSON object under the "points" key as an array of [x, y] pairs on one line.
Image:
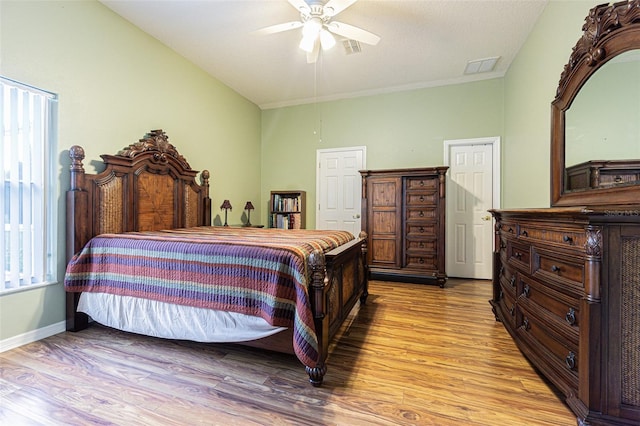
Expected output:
{"points": [[339, 279]]}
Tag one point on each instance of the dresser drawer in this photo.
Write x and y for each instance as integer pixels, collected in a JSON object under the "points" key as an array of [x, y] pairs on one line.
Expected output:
{"points": [[421, 198], [508, 229], [425, 261], [569, 237], [507, 304], [561, 310], [502, 250], [421, 213], [508, 280], [519, 255], [419, 229], [422, 245], [421, 182], [563, 269], [552, 349]]}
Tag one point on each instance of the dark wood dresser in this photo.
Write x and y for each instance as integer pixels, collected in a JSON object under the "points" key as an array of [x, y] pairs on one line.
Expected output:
{"points": [[403, 214], [566, 286]]}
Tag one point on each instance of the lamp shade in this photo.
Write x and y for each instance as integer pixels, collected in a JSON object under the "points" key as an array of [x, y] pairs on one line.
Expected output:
{"points": [[249, 206], [225, 205]]}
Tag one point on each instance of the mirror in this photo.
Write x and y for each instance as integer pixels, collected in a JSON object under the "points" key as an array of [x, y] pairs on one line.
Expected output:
{"points": [[595, 141], [611, 132]]}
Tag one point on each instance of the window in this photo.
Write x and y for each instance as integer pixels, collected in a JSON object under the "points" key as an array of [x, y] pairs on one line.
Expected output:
{"points": [[28, 203]]}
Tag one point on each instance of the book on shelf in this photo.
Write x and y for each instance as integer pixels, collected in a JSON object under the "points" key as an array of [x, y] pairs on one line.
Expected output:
{"points": [[283, 203], [286, 221], [294, 219]]}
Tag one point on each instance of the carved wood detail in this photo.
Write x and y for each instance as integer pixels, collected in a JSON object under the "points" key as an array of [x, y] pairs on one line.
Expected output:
{"points": [[593, 246], [155, 141], [601, 22]]}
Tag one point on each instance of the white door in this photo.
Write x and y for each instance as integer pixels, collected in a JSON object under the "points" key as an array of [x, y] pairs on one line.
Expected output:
{"points": [[339, 188], [470, 193]]}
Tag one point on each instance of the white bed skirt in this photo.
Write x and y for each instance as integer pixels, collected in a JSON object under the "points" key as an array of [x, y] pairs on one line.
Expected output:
{"points": [[159, 319]]}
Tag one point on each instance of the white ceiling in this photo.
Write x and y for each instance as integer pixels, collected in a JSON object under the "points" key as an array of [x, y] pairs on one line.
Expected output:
{"points": [[424, 43]]}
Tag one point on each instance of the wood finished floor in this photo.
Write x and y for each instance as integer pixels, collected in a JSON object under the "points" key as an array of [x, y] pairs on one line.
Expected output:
{"points": [[414, 354]]}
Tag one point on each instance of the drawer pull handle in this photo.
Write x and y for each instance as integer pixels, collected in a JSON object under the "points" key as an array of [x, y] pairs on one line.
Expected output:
{"points": [[422, 229], [555, 268], [421, 198], [571, 316], [421, 183], [618, 179], [510, 230], [513, 281], [526, 291], [512, 310], [525, 233], [421, 214], [567, 239], [517, 255], [525, 324], [421, 244], [570, 360], [502, 245], [421, 261]]}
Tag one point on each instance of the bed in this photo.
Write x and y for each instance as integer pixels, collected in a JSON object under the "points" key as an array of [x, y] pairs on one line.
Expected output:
{"points": [[143, 258]]}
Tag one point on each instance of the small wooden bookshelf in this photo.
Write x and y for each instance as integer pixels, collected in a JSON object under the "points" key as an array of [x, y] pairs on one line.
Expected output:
{"points": [[287, 209]]}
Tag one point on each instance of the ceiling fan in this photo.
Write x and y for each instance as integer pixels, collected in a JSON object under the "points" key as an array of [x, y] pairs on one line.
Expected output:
{"points": [[318, 27]]}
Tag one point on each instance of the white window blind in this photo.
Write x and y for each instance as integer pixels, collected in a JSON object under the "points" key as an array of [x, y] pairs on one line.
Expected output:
{"points": [[27, 247]]}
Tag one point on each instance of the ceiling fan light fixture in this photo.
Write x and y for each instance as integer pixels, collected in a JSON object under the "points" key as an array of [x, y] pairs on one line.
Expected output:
{"points": [[327, 40], [308, 43], [312, 27]]}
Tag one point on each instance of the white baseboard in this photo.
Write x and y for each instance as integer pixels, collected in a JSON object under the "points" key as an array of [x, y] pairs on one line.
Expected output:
{"points": [[32, 336]]}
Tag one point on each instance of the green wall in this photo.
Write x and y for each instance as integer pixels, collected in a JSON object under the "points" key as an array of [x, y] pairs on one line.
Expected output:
{"points": [[115, 83], [530, 87], [404, 129]]}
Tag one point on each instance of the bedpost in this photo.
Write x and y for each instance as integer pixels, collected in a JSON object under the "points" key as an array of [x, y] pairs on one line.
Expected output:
{"points": [[77, 230], [206, 214], [317, 294], [365, 288]]}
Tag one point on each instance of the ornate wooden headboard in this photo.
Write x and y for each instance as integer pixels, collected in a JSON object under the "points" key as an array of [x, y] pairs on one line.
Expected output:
{"points": [[146, 186]]}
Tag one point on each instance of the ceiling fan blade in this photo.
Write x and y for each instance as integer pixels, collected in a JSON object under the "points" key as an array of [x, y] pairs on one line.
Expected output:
{"points": [[355, 33], [333, 7], [279, 28], [300, 5], [312, 57]]}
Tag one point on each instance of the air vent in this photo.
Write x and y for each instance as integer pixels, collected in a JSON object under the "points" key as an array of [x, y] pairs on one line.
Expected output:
{"points": [[351, 46], [481, 65]]}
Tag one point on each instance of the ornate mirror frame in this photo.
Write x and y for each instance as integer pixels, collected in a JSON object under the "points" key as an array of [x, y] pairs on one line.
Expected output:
{"points": [[609, 30]]}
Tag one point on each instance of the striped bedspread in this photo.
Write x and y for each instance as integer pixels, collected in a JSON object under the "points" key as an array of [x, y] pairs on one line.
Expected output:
{"points": [[260, 272]]}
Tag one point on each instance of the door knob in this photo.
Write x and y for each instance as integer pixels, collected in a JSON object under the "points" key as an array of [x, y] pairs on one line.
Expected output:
{"points": [[356, 216], [487, 217]]}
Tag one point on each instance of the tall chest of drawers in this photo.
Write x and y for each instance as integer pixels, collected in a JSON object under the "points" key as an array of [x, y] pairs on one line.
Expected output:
{"points": [[404, 217], [566, 286]]}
